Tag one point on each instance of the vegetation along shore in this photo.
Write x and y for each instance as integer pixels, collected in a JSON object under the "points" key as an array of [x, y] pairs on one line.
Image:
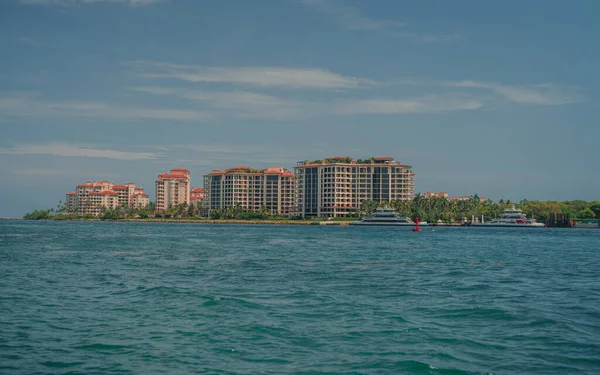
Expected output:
{"points": [[430, 209]]}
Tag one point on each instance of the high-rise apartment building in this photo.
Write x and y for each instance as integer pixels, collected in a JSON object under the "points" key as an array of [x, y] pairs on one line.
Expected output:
{"points": [[172, 189], [336, 186], [271, 188], [95, 196]]}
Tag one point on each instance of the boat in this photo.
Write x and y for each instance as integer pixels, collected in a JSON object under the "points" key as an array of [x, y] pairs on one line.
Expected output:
{"points": [[385, 216], [512, 217]]}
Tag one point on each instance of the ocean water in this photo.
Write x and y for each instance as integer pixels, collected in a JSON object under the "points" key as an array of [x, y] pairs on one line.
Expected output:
{"points": [[149, 298]]}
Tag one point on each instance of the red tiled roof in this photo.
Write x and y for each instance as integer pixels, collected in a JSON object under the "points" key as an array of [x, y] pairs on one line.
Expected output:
{"points": [[179, 170], [71, 193], [85, 185], [167, 175], [140, 195], [198, 190]]}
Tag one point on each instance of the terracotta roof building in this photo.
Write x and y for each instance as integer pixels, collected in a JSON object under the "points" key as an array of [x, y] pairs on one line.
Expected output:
{"points": [[93, 197], [197, 196], [172, 189], [271, 188], [336, 186]]}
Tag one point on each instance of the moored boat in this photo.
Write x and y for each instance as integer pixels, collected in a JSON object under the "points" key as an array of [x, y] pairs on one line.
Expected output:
{"points": [[385, 216], [512, 217]]}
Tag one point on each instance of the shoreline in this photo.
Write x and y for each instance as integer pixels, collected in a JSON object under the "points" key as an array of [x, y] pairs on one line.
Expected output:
{"points": [[252, 222], [190, 221]]}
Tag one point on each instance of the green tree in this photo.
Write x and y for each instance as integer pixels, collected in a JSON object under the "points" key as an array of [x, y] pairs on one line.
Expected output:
{"points": [[595, 207], [586, 213], [192, 210], [38, 215], [367, 207]]}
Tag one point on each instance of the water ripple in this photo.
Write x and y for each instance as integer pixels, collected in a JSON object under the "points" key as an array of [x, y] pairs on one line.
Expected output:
{"points": [[101, 298]]}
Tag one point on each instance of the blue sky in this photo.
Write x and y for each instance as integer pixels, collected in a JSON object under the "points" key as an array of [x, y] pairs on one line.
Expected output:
{"points": [[498, 98]]}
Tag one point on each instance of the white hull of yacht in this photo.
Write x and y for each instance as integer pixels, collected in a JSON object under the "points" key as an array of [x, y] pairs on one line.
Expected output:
{"points": [[390, 224], [508, 225]]}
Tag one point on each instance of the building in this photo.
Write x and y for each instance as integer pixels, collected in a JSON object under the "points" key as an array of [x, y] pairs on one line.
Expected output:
{"points": [[172, 189], [251, 189], [71, 201], [336, 186], [93, 197], [197, 197], [140, 199], [431, 194], [99, 201], [443, 194]]}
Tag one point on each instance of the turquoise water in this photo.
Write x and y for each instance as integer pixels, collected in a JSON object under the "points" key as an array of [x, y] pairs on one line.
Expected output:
{"points": [[147, 298]]}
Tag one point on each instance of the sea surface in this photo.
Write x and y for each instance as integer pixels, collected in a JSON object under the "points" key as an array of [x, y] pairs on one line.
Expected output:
{"points": [[159, 298]]}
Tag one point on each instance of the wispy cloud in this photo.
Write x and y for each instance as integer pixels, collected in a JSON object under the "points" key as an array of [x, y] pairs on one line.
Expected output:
{"points": [[27, 105], [74, 150], [27, 40], [256, 76], [426, 104], [132, 3], [542, 94], [350, 17], [243, 103], [248, 104]]}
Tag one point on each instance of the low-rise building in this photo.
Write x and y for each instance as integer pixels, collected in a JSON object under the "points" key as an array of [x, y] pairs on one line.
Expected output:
{"points": [[197, 197], [443, 194], [93, 197], [431, 194]]}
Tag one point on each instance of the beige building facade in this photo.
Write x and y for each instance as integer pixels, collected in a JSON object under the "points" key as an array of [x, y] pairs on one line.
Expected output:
{"points": [[93, 197], [337, 186], [251, 189], [197, 197], [172, 189]]}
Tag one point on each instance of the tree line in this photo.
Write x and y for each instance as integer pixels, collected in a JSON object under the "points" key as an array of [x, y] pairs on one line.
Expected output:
{"points": [[431, 209]]}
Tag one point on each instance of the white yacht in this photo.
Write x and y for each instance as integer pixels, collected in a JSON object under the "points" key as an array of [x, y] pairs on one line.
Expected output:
{"points": [[512, 217], [385, 216]]}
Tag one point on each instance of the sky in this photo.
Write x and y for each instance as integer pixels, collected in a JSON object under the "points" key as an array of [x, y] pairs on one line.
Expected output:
{"points": [[498, 98]]}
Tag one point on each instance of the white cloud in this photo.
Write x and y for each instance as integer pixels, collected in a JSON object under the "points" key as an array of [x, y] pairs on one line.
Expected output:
{"points": [[77, 2], [75, 150], [350, 17], [426, 104], [27, 40], [244, 103], [257, 76], [248, 104], [542, 94], [27, 105]]}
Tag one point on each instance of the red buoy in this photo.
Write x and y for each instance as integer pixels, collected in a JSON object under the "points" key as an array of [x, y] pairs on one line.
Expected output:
{"points": [[416, 228]]}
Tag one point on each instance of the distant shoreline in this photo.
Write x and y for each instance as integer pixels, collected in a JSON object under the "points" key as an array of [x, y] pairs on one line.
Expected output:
{"points": [[192, 221]]}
